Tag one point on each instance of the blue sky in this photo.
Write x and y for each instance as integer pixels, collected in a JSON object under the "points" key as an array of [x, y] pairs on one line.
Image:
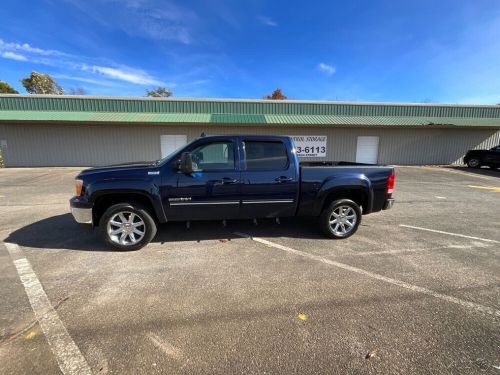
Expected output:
{"points": [[445, 51]]}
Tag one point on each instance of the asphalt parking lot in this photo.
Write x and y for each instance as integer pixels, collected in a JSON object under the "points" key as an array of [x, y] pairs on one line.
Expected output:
{"points": [[415, 291]]}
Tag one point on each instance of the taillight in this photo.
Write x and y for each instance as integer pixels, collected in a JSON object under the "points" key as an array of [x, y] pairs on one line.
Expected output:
{"points": [[79, 185], [390, 183]]}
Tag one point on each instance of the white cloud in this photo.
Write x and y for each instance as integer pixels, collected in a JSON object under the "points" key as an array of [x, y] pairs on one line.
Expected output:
{"points": [[70, 62], [268, 21], [152, 19], [197, 82], [13, 56], [136, 76], [326, 68], [26, 48], [92, 81]]}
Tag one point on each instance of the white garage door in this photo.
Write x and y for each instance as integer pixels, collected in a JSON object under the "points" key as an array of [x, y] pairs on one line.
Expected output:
{"points": [[367, 150], [171, 142]]}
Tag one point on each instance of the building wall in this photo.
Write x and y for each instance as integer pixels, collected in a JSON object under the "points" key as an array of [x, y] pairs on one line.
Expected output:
{"points": [[101, 144]]}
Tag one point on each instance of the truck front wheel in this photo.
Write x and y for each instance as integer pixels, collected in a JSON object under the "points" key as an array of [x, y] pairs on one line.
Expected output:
{"points": [[127, 226], [474, 163], [340, 219]]}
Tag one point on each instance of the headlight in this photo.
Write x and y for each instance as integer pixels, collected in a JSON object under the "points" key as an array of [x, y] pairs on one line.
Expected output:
{"points": [[79, 185]]}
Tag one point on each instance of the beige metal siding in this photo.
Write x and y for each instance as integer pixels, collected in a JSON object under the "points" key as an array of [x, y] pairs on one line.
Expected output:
{"points": [[100, 144]]}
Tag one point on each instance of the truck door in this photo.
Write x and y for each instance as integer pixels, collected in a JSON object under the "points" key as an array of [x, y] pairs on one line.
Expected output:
{"points": [[269, 177], [213, 190]]}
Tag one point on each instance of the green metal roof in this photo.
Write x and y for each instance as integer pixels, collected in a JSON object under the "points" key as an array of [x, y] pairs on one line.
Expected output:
{"points": [[193, 118], [149, 110]]}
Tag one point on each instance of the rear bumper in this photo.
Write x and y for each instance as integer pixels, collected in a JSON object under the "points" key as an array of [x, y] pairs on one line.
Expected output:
{"points": [[81, 211], [388, 203]]}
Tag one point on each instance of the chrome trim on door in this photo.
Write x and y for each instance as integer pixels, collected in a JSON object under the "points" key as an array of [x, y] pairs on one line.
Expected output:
{"points": [[201, 203], [269, 201]]}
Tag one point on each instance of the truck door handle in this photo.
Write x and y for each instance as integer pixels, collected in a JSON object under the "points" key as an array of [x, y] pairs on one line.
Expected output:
{"points": [[228, 180], [282, 179]]}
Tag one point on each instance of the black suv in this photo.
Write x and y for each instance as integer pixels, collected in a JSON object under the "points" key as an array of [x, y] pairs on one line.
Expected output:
{"points": [[478, 158]]}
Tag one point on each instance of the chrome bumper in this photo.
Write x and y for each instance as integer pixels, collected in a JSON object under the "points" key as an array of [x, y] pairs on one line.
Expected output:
{"points": [[389, 203], [82, 215]]}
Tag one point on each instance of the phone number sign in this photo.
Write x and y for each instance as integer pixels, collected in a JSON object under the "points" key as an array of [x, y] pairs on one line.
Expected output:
{"points": [[310, 145]]}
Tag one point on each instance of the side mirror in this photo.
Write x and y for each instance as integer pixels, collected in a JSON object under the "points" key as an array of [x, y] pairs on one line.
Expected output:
{"points": [[186, 163]]}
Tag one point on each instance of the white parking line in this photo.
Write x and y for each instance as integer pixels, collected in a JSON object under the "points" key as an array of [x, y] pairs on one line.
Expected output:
{"points": [[419, 250], [415, 288], [68, 356], [449, 233]]}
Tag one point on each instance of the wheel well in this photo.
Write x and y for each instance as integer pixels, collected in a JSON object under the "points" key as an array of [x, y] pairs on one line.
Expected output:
{"points": [[357, 196], [103, 202]]}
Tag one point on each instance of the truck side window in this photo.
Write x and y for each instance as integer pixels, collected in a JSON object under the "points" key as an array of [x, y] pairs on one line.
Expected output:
{"points": [[265, 155], [214, 156]]}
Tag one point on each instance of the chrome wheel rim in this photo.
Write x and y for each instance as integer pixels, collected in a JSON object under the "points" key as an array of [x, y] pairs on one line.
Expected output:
{"points": [[342, 220], [126, 228], [473, 162]]}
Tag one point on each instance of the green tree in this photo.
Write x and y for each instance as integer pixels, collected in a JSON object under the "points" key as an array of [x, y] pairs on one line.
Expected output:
{"points": [[159, 92], [276, 95], [38, 83], [5, 88]]}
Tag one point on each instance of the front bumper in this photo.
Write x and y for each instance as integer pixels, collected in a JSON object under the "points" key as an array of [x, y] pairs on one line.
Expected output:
{"points": [[388, 203], [81, 211]]}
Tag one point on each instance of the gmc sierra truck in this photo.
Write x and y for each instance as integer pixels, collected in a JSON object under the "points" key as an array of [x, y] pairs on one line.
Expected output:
{"points": [[228, 177]]}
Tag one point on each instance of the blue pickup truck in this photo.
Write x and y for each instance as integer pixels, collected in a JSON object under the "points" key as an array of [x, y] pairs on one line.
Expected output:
{"points": [[228, 177]]}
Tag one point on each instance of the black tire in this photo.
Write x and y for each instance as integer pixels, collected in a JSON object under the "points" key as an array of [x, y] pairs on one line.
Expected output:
{"points": [[132, 226], [474, 163], [334, 207]]}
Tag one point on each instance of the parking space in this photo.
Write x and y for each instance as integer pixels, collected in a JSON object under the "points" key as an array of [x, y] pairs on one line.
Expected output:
{"points": [[415, 291]]}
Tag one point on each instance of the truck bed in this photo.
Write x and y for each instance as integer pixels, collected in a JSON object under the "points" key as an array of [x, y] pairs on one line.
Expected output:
{"points": [[332, 175]]}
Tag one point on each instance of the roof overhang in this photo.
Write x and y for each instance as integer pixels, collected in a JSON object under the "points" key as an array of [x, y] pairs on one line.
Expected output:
{"points": [[242, 119]]}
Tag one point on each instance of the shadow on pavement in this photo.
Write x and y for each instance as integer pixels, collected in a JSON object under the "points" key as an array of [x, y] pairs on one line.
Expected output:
{"points": [[61, 232], [57, 232], [485, 171]]}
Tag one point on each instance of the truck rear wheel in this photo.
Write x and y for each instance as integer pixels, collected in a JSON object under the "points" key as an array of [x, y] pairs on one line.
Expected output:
{"points": [[340, 219], [127, 226]]}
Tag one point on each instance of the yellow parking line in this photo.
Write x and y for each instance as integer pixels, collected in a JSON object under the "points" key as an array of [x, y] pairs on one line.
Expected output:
{"points": [[495, 189]]}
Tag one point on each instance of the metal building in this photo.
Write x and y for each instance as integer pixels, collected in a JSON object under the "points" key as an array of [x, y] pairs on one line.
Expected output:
{"points": [[39, 130]]}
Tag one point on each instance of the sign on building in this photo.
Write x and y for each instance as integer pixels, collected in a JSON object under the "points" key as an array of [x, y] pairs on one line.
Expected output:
{"points": [[310, 145]]}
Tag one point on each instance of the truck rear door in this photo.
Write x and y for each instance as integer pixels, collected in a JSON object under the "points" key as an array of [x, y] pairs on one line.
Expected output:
{"points": [[269, 178]]}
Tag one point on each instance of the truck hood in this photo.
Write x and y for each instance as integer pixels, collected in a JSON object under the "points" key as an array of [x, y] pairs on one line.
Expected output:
{"points": [[119, 167]]}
